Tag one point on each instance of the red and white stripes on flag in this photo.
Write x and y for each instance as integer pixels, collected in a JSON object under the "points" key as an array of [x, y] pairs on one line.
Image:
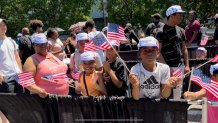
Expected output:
{"points": [[204, 39], [215, 59], [211, 87], [26, 79], [98, 42], [76, 74], [116, 32], [177, 72]]}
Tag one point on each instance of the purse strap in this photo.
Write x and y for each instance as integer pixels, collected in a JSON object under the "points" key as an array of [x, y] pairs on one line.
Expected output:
{"points": [[84, 80]]}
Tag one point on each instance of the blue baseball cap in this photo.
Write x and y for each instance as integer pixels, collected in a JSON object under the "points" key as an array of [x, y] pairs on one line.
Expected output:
{"points": [[39, 38]]}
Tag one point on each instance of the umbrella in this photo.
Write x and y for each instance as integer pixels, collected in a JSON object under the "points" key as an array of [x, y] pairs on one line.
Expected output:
{"points": [[77, 27]]}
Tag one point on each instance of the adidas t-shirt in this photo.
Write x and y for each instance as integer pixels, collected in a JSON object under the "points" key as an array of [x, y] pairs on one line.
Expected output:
{"points": [[150, 82]]}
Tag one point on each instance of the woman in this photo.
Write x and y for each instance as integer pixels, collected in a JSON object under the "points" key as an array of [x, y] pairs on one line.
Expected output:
{"points": [[90, 81], [70, 45], [43, 64], [56, 47]]}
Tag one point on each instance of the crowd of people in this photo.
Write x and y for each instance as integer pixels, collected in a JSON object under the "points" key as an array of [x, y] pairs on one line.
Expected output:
{"points": [[162, 50]]}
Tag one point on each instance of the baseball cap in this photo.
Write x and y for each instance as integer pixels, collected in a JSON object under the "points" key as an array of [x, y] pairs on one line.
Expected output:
{"points": [[213, 68], [202, 49], [39, 38], [174, 9], [104, 29], [3, 20], [87, 56], [156, 15], [114, 43], [216, 16], [148, 41], [82, 37]]}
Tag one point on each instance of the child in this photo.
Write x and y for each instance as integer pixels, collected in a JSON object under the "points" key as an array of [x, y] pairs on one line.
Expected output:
{"points": [[90, 81]]}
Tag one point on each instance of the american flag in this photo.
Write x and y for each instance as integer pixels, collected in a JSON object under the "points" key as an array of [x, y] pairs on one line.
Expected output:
{"points": [[115, 32], [215, 59], [56, 77], [75, 74], [205, 82], [204, 39], [26, 79], [99, 42], [177, 72]]}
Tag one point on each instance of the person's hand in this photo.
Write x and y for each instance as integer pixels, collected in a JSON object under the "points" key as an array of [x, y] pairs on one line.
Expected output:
{"points": [[187, 69], [190, 95], [133, 79], [106, 66], [106, 77], [43, 93], [1, 78], [173, 81]]}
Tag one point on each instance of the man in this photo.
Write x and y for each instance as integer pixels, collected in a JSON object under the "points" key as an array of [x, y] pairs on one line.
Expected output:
{"points": [[151, 79], [36, 26], [153, 27], [10, 64], [192, 30], [195, 91], [215, 37], [116, 75], [131, 38], [171, 37], [201, 53], [25, 45], [92, 32], [75, 62]]}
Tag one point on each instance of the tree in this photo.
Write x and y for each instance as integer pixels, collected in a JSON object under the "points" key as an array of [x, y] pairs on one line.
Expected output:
{"points": [[53, 13], [140, 11]]}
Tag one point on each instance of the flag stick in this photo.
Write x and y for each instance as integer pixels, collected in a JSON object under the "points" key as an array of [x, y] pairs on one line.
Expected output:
{"points": [[117, 54], [68, 84], [190, 81], [196, 68]]}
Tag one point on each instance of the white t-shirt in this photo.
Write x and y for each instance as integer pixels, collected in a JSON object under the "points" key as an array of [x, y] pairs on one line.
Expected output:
{"points": [[75, 61], [150, 82], [8, 64]]}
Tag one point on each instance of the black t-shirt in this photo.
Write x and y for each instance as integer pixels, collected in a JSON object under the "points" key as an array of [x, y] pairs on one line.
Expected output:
{"points": [[25, 45], [152, 29], [172, 39], [122, 74], [216, 34]]}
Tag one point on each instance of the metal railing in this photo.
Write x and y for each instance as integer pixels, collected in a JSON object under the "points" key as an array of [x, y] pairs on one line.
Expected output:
{"points": [[205, 103]]}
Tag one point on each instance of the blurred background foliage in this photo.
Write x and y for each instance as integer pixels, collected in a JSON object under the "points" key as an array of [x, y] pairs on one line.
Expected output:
{"points": [[63, 13]]}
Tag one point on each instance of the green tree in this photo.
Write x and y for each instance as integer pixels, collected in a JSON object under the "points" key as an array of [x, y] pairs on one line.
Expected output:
{"points": [[140, 11], [53, 13]]}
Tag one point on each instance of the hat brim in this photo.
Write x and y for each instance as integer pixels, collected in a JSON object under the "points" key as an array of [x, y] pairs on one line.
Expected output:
{"points": [[148, 45], [40, 42]]}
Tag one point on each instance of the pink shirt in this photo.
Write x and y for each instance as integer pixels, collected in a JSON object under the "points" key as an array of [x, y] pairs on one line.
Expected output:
{"points": [[50, 65], [56, 47], [212, 111], [190, 29]]}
